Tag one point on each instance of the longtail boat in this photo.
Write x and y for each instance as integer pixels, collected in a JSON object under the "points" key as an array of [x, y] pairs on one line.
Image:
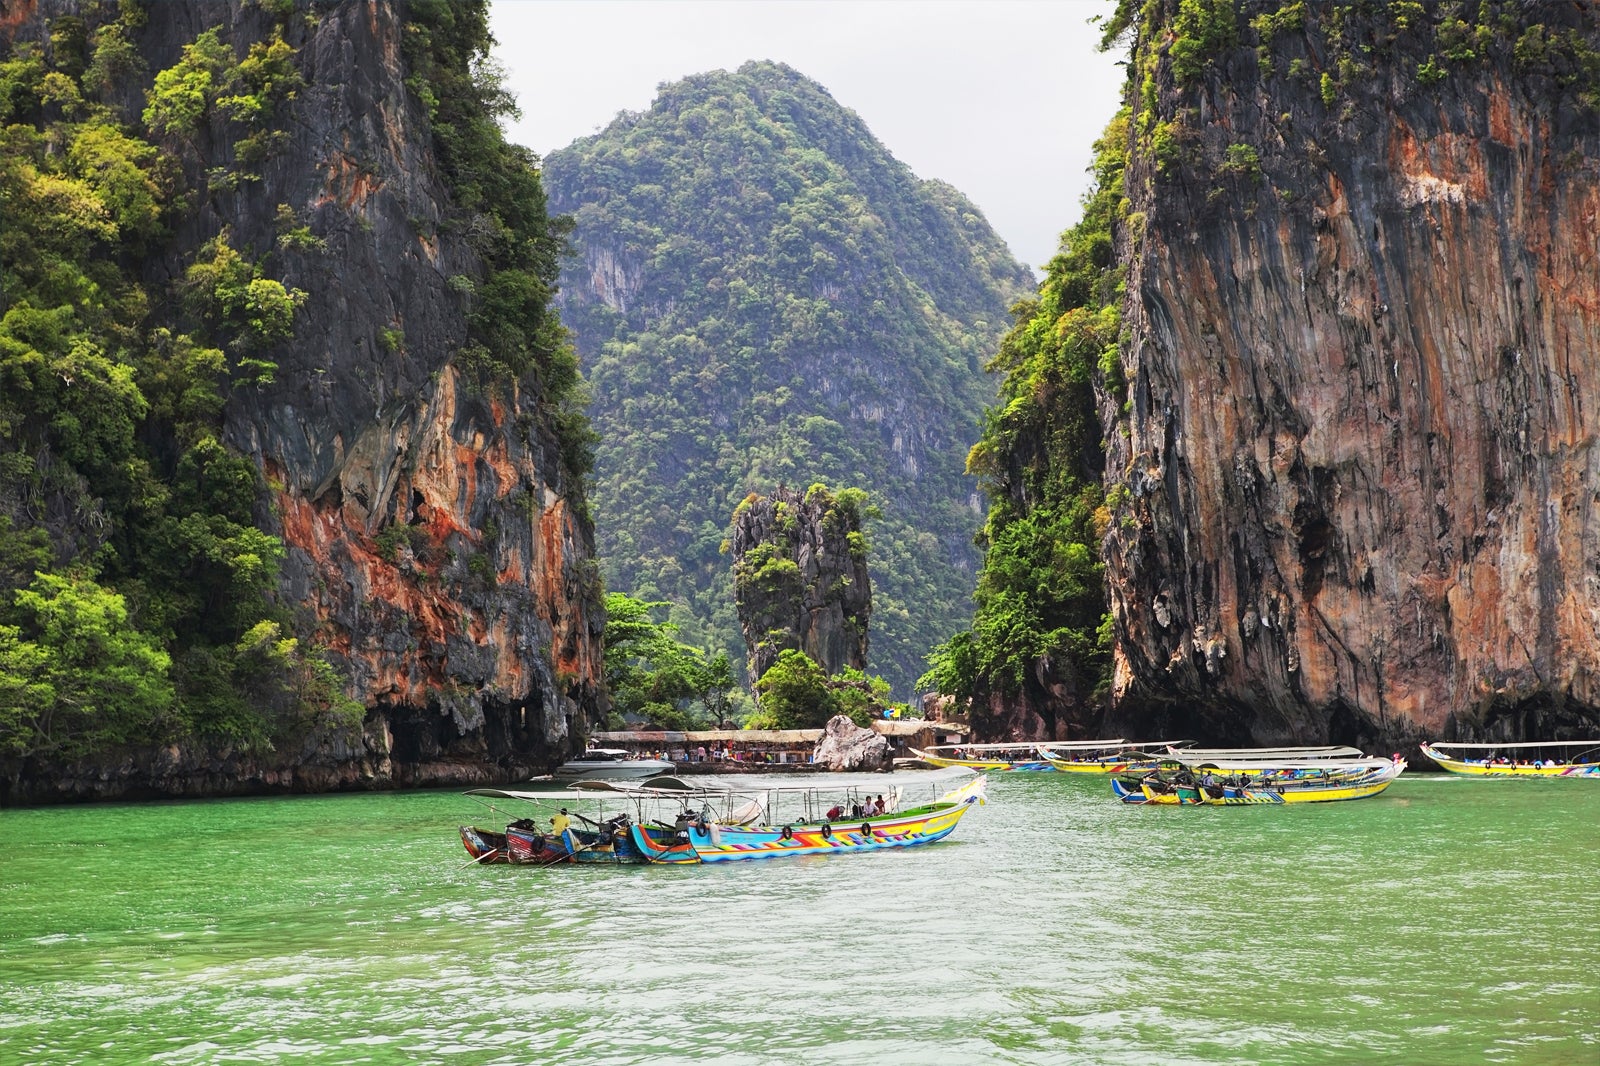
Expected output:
{"points": [[667, 821], [1100, 757], [1082, 756], [1558, 758], [1176, 784], [1281, 768]]}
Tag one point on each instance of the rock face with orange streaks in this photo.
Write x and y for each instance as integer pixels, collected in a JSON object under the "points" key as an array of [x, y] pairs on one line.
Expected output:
{"points": [[435, 539], [438, 545], [1359, 437]]}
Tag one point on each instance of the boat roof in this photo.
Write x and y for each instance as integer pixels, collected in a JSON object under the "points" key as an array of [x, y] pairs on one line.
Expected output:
{"points": [[889, 727], [1138, 747], [1058, 745], [1515, 744], [1326, 751], [1280, 763], [665, 787]]}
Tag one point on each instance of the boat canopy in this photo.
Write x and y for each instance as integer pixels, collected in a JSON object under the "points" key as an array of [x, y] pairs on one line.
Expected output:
{"points": [[1112, 744], [1517, 744], [675, 788], [905, 727], [1330, 751], [1363, 763]]}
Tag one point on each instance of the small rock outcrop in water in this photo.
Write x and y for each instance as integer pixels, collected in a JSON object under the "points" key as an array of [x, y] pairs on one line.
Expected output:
{"points": [[846, 747], [1356, 459], [800, 575]]}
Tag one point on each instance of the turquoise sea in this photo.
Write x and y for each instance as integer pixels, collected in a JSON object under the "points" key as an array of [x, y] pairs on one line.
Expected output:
{"points": [[1447, 921]]}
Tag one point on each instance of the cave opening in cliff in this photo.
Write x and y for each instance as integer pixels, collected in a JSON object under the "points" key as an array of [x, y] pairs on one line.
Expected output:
{"points": [[1315, 536]]}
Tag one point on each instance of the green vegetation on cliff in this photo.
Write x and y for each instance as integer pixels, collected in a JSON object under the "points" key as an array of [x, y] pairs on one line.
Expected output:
{"points": [[1041, 630], [136, 583], [762, 296], [135, 591]]}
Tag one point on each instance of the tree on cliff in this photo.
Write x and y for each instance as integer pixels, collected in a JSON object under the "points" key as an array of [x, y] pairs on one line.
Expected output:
{"points": [[74, 676], [761, 294], [136, 522], [654, 678], [794, 694]]}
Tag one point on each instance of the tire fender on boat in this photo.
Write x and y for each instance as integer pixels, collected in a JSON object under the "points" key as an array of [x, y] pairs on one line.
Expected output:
{"points": [[866, 830], [827, 831], [787, 833]]}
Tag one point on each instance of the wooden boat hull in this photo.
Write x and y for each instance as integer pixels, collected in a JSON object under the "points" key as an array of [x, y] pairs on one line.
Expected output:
{"points": [[923, 825], [1100, 766], [485, 846], [1469, 768], [528, 847]]}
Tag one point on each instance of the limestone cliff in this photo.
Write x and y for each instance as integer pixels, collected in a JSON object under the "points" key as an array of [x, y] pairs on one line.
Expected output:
{"points": [[800, 574], [437, 541], [1358, 441]]}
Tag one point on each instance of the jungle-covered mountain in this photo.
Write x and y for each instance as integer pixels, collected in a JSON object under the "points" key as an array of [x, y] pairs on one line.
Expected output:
{"points": [[762, 295], [1334, 303], [290, 463]]}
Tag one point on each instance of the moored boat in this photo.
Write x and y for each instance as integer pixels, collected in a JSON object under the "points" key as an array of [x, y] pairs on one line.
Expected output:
{"points": [[1560, 758], [1083, 756], [1177, 783], [681, 824], [1101, 757], [611, 764]]}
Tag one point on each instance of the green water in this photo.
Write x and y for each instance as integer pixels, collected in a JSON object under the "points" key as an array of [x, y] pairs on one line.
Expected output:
{"points": [[1447, 921]]}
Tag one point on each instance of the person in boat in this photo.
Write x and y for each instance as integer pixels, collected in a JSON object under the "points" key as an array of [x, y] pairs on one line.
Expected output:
{"points": [[877, 805], [561, 826], [835, 813], [615, 829]]}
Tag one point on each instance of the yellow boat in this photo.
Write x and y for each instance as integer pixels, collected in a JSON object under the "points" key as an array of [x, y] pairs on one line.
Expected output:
{"points": [[1111, 757], [1564, 758], [1154, 789]]}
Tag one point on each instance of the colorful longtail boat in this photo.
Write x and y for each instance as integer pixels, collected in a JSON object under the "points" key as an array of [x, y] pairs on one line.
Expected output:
{"points": [[713, 824], [1291, 784], [1560, 758]]}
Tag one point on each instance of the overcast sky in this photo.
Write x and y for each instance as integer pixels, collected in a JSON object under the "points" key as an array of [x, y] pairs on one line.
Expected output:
{"points": [[1000, 98]]}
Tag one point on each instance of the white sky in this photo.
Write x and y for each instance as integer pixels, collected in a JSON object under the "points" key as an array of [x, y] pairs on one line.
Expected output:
{"points": [[1000, 98]]}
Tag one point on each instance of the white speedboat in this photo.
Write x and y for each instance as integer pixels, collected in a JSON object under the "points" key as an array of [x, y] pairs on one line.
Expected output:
{"points": [[611, 764]]}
